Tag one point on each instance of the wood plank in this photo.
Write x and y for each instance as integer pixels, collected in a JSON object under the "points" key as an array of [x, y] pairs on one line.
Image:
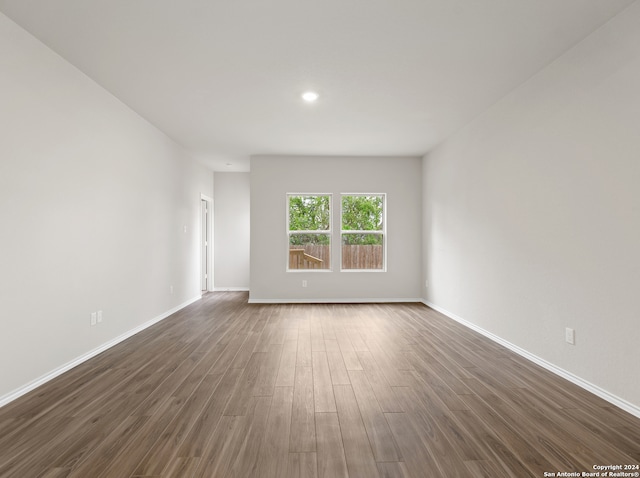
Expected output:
{"points": [[382, 443], [239, 402], [339, 375], [384, 393], [330, 455], [142, 440], [266, 379], [357, 450], [317, 338], [349, 355], [157, 458], [182, 466], [529, 458], [303, 358], [287, 368], [493, 448], [56, 473], [107, 451], [196, 439], [393, 469], [416, 455], [223, 441], [322, 387], [247, 458], [243, 355], [437, 441], [302, 465], [274, 454], [236, 438], [229, 353], [485, 469], [303, 430], [355, 338], [389, 366]]}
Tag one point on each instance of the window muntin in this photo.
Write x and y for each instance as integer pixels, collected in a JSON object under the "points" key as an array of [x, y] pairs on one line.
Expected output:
{"points": [[309, 231], [362, 220]]}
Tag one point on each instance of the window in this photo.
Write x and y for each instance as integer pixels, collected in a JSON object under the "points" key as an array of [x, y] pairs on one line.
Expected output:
{"points": [[363, 231], [309, 230]]}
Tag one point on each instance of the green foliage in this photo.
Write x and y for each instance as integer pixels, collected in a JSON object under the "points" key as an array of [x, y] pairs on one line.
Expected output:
{"points": [[309, 213], [362, 213], [359, 213], [309, 239], [362, 239]]}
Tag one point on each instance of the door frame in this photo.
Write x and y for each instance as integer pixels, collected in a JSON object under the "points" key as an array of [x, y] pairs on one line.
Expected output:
{"points": [[209, 247]]}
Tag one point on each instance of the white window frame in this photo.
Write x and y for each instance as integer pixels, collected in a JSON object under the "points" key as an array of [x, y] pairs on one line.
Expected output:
{"points": [[328, 232], [383, 232]]}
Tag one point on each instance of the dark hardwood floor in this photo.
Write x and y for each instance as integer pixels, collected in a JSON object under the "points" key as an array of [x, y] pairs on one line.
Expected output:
{"points": [[227, 389]]}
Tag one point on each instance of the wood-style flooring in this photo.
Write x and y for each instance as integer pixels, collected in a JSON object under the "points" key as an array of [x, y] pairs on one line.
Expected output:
{"points": [[227, 389]]}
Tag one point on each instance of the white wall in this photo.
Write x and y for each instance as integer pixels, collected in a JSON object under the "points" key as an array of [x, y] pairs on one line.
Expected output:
{"points": [[231, 231], [532, 213], [93, 202], [272, 177]]}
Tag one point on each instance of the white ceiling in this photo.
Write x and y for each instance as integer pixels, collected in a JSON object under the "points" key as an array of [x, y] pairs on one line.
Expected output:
{"points": [[224, 78]]}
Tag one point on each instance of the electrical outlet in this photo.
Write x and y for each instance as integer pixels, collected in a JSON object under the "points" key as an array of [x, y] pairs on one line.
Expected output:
{"points": [[304, 283], [99, 316], [426, 284], [170, 289], [570, 336], [94, 318]]}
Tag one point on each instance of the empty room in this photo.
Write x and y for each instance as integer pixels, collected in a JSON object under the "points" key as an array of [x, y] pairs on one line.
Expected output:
{"points": [[340, 239]]}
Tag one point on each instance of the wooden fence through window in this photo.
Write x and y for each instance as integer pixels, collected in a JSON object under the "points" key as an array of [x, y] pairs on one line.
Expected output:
{"points": [[314, 252], [362, 257], [353, 257]]}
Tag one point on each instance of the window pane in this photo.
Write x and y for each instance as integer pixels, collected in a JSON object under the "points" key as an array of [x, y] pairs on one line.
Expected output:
{"points": [[309, 251], [362, 213], [309, 213], [362, 239], [362, 251]]}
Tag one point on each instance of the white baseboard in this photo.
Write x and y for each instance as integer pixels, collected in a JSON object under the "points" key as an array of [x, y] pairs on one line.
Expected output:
{"points": [[600, 392], [230, 289], [5, 399], [331, 301]]}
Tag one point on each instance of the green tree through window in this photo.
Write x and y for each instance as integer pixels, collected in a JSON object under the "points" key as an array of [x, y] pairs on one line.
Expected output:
{"points": [[309, 230], [309, 213], [362, 231], [362, 213]]}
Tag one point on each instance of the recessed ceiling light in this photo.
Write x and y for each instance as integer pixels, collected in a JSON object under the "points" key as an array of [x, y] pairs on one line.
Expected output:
{"points": [[310, 96]]}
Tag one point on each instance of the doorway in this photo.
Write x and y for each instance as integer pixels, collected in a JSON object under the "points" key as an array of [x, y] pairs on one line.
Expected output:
{"points": [[206, 277]]}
